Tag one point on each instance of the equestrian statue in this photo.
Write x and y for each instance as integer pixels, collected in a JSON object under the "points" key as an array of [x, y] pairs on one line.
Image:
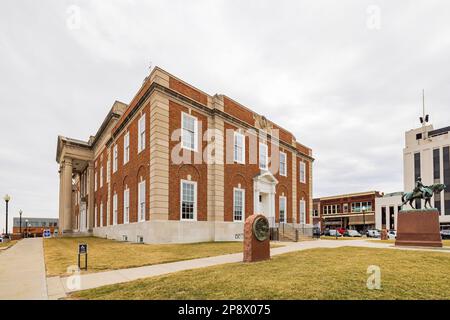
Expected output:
{"points": [[422, 192]]}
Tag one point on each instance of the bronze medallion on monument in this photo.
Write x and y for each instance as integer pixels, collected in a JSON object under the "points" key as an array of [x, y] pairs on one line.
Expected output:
{"points": [[261, 228]]}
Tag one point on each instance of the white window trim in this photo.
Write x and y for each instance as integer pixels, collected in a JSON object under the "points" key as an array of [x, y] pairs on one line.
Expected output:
{"points": [[140, 219], [266, 148], [243, 147], [101, 177], [126, 196], [141, 129], [115, 208], [101, 214], [108, 167], [285, 164], [126, 148], [285, 208], [95, 181], [115, 158], [302, 202], [302, 179], [181, 200], [95, 216], [243, 204], [183, 114]]}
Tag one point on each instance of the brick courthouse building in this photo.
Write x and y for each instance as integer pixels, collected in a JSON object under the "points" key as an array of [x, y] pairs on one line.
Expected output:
{"points": [[179, 165]]}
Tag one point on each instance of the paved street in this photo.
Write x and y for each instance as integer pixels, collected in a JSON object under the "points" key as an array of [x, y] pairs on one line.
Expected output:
{"points": [[22, 271]]}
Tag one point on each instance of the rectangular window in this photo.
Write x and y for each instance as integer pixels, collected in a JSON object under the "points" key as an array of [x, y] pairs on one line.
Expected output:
{"points": [[302, 212], [115, 209], [189, 133], [108, 168], [95, 181], [238, 204], [302, 172], [437, 165], [115, 158], [446, 158], [126, 206], [391, 218], [188, 200], [263, 157], [141, 136], [126, 148], [383, 217], [141, 201], [283, 210], [95, 216], [101, 214], [417, 171], [283, 164], [239, 147], [101, 176]]}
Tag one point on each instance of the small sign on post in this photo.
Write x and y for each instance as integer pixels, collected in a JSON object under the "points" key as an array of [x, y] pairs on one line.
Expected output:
{"points": [[82, 250]]}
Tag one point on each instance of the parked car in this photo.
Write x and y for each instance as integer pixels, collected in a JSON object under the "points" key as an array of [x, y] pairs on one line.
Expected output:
{"points": [[392, 235], [335, 233], [373, 233], [326, 232], [46, 233], [341, 230], [445, 234], [352, 233]]}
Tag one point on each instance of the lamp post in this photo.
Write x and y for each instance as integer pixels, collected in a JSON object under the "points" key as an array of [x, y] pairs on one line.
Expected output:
{"points": [[364, 218], [20, 222], [6, 198], [26, 227]]}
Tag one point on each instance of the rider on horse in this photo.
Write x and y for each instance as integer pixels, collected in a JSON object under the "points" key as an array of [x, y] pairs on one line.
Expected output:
{"points": [[420, 188]]}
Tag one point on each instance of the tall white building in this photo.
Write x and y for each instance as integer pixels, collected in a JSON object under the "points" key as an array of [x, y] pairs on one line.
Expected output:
{"points": [[427, 155]]}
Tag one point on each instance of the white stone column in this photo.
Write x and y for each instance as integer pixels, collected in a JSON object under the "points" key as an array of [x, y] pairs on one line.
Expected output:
{"points": [[67, 195], [91, 197], [61, 197]]}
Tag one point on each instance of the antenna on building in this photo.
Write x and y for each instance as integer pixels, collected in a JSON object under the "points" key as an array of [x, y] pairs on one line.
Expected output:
{"points": [[425, 118]]}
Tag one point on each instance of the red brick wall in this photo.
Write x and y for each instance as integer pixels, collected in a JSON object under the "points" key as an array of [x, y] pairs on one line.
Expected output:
{"points": [[238, 173], [303, 190], [238, 111], [177, 172], [188, 91], [130, 173]]}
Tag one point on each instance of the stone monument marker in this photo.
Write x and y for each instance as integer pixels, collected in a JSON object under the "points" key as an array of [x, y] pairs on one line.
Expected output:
{"points": [[256, 238]]}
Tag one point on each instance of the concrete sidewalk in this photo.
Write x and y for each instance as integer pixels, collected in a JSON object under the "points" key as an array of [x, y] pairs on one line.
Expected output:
{"points": [[59, 287], [22, 271]]}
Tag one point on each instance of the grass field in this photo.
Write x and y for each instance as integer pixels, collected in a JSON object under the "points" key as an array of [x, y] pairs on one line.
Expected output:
{"points": [[312, 274], [103, 255], [6, 245], [445, 243]]}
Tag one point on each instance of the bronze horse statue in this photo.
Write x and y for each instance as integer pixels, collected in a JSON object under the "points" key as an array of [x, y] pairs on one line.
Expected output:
{"points": [[426, 193]]}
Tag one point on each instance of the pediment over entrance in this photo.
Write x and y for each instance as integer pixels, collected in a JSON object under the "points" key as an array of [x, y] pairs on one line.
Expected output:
{"points": [[265, 176]]}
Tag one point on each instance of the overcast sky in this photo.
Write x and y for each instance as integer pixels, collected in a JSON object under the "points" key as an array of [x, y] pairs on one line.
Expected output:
{"points": [[345, 77]]}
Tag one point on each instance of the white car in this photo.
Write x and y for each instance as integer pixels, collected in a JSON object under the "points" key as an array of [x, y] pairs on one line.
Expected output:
{"points": [[373, 233], [392, 234]]}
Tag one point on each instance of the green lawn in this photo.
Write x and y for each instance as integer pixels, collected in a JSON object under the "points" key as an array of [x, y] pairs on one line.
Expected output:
{"points": [[61, 253], [445, 243], [312, 274], [6, 245]]}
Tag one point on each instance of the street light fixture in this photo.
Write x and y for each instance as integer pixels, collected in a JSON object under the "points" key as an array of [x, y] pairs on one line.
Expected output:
{"points": [[20, 222], [6, 198], [364, 218]]}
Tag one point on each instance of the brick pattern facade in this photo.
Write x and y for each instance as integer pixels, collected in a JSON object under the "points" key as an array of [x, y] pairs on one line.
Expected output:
{"points": [[162, 92]]}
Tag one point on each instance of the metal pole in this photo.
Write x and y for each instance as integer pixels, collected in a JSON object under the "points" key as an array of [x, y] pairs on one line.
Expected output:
{"points": [[20, 223], [364, 220], [7, 219]]}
